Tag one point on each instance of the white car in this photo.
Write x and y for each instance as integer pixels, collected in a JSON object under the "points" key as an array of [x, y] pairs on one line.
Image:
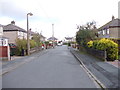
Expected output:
{"points": [[59, 44]]}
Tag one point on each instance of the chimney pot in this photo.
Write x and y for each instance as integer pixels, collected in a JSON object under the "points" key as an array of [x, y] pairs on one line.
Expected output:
{"points": [[13, 22], [113, 17]]}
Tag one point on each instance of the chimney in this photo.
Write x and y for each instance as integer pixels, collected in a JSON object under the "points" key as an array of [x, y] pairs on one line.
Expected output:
{"points": [[13, 22], [113, 17]]}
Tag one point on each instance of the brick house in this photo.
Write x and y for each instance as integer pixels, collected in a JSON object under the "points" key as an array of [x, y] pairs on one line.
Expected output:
{"points": [[110, 29], [13, 32]]}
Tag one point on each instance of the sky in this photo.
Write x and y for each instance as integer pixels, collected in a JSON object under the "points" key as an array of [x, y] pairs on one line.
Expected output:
{"points": [[64, 14]]}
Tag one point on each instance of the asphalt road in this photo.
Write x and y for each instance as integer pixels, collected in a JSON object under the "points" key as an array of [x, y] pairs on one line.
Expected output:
{"points": [[57, 68]]}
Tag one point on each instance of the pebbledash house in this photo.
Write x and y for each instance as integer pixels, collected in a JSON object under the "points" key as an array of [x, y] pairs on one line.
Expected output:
{"points": [[13, 32], [110, 29]]}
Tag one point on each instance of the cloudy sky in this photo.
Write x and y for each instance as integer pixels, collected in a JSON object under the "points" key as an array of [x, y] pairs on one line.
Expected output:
{"points": [[65, 14]]}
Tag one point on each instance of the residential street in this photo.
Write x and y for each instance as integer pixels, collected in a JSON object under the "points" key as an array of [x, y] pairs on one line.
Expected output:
{"points": [[52, 68]]}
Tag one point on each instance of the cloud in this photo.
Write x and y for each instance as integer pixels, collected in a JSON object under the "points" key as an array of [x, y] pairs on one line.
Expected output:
{"points": [[12, 10], [65, 14]]}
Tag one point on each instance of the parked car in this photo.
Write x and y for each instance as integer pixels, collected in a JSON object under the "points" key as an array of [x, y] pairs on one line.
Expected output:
{"points": [[12, 49], [60, 43]]}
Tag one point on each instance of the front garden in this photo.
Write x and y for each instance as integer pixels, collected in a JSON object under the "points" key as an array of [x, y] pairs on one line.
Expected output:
{"points": [[88, 40]]}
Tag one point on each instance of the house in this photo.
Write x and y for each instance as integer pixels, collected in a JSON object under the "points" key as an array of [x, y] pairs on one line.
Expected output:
{"points": [[110, 29], [42, 38], [52, 38], [12, 32], [4, 49], [1, 30], [69, 39]]}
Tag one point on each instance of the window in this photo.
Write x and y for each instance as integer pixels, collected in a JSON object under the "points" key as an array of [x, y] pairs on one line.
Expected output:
{"points": [[103, 32], [108, 31]]}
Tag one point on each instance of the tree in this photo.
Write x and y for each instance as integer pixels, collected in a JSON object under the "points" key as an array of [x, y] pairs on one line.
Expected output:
{"points": [[86, 33], [36, 38], [21, 44]]}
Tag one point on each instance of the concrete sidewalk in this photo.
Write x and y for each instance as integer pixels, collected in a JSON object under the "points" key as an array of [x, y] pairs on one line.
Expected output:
{"points": [[115, 63], [105, 72]]}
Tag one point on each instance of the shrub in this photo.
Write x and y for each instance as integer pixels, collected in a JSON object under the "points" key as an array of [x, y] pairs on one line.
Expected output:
{"points": [[95, 43], [32, 44], [90, 44], [21, 44], [105, 44], [69, 44]]}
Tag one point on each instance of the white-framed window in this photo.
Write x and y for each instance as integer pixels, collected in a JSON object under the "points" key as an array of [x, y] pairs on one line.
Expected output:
{"points": [[103, 32], [108, 31], [99, 32]]}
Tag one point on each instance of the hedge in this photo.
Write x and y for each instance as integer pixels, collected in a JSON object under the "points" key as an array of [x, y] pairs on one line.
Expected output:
{"points": [[105, 44]]}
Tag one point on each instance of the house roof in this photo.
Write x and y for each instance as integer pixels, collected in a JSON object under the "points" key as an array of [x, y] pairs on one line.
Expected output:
{"points": [[1, 25], [52, 38], [12, 27], [42, 36], [112, 23], [31, 32], [68, 38], [115, 23]]}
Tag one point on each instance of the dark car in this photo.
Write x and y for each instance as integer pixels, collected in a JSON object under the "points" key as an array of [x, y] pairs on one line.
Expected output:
{"points": [[12, 49]]}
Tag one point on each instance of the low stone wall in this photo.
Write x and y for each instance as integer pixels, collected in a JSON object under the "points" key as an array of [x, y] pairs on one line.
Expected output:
{"points": [[35, 49]]}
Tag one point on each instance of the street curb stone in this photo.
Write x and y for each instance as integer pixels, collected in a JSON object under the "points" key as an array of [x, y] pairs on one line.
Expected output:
{"points": [[89, 73]]}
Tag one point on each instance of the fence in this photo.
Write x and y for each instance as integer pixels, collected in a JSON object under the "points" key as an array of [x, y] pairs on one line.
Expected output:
{"points": [[97, 53]]}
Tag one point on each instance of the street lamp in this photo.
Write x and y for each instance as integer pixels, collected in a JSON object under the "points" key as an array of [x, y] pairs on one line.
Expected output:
{"points": [[28, 42]]}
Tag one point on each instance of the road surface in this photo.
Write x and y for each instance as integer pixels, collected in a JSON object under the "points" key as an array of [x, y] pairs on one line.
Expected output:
{"points": [[56, 68]]}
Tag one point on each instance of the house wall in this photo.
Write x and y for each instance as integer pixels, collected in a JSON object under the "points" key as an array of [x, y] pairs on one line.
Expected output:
{"points": [[1, 30], [12, 35], [42, 39], [22, 35], [114, 32]]}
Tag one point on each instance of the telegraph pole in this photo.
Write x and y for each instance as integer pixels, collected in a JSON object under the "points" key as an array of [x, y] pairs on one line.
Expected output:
{"points": [[53, 35]]}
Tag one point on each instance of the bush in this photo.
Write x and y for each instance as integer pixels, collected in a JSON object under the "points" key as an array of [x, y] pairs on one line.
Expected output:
{"points": [[65, 43], [105, 44], [32, 44], [90, 44], [69, 44], [21, 44]]}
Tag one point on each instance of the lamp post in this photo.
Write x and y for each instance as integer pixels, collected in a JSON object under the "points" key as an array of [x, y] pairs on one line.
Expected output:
{"points": [[28, 41]]}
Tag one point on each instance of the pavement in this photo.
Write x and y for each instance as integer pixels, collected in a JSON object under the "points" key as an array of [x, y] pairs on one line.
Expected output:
{"points": [[106, 72], [115, 63]]}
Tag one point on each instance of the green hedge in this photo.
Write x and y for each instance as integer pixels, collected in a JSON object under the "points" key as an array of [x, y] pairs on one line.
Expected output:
{"points": [[105, 44], [22, 44]]}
